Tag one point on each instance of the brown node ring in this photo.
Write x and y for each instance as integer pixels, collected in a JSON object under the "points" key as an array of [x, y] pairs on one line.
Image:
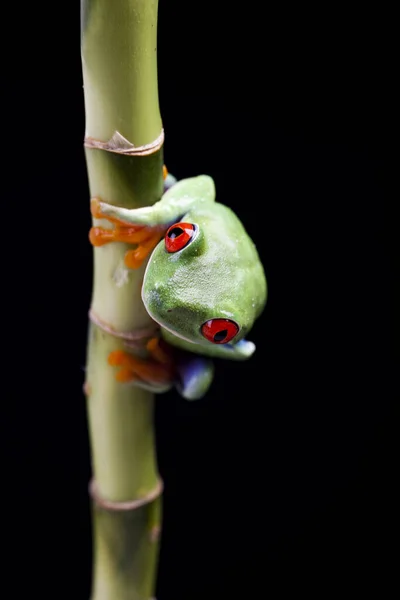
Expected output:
{"points": [[123, 506], [136, 337], [120, 145]]}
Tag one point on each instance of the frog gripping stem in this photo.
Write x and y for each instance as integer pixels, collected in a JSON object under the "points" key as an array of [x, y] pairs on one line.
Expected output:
{"points": [[157, 369], [143, 238]]}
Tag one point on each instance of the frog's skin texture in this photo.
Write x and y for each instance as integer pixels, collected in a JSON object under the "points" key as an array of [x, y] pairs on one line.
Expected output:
{"points": [[204, 283]]}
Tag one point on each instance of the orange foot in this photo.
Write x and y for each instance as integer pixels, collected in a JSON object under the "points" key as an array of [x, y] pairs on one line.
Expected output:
{"points": [[145, 238], [157, 369]]}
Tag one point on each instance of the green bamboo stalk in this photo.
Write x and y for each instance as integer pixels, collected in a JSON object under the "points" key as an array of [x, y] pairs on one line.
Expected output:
{"points": [[119, 64]]}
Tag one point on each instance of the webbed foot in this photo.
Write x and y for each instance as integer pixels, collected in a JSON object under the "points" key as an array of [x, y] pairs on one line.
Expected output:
{"points": [[155, 372]]}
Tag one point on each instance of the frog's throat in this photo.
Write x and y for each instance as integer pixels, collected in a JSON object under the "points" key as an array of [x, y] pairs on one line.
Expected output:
{"points": [[163, 325]]}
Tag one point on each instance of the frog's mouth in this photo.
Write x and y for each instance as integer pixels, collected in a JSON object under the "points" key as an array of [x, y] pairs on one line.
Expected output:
{"points": [[167, 327]]}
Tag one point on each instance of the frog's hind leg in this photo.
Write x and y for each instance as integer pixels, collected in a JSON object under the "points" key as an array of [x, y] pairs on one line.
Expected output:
{"points": [[195, 375], [156, 372]]}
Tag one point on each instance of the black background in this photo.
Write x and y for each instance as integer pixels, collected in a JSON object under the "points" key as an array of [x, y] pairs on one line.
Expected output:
{"points": [[282, 480]]}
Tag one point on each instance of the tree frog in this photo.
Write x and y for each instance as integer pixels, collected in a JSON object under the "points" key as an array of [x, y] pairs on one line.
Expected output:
{"points": [[204, 284]]}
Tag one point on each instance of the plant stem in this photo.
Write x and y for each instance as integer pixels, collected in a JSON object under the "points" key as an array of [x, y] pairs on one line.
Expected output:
{"points": [[120, 88]]}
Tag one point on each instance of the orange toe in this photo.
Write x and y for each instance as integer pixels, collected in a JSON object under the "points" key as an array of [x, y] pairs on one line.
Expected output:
{"points": [[134, 258], [95, 208], [125, 375], [116, 358]]}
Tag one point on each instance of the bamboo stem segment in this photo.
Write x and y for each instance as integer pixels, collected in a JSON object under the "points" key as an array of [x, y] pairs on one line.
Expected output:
{"points": [[119, 62]]}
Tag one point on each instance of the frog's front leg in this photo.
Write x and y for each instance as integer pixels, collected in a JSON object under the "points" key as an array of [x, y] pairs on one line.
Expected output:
{"points": [[179, 197], [145, 238], [144, 231]]}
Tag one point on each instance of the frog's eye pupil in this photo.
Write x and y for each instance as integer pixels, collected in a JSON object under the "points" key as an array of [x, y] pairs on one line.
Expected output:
{"points": [[178, 236], [174, 233], [220, 336], [219, 331]]}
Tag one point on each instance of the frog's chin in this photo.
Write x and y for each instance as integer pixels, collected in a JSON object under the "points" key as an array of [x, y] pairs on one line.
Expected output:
{"points": [[165, 326]]}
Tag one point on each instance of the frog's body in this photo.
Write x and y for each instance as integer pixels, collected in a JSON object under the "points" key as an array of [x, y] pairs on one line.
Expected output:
{"points": [[204, 279]]}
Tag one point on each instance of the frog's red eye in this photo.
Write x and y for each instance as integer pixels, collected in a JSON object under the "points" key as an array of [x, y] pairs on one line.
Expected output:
{"points": [[219, 331], [178, 236]]}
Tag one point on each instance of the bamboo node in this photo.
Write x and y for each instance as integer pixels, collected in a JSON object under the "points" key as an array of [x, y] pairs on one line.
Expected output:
{"points": [[120, 145], [136, 337], [123, 506]]}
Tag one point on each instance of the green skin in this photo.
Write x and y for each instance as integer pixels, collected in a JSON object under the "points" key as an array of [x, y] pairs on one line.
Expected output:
{"points": [[217, 275]]}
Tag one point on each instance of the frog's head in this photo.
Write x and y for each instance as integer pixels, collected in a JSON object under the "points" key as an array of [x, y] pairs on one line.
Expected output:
{"points": [[196, 289]]}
